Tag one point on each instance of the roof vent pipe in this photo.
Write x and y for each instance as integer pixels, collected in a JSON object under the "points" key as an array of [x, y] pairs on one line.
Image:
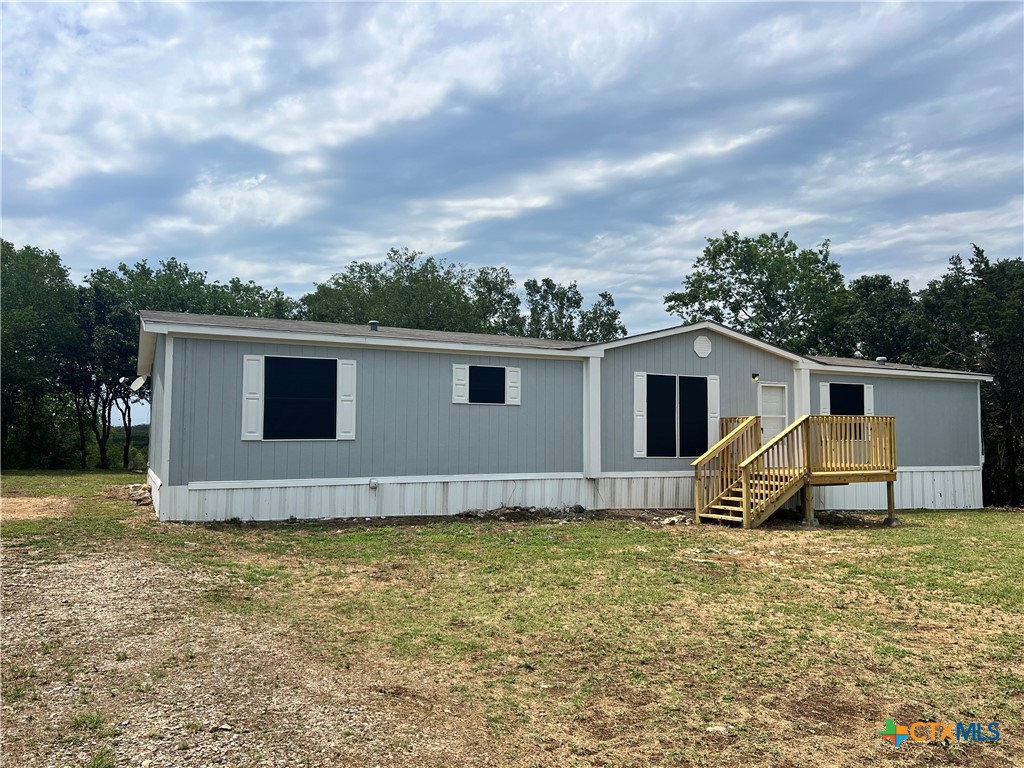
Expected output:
{"points": [[881, 360], [374, 325]]}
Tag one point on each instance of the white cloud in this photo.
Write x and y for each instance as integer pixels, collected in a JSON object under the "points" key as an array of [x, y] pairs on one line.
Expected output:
{"points": [[697, 117], [566, 179], [256, 200]]}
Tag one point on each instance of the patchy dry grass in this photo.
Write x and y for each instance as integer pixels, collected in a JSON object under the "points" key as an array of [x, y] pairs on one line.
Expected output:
{"points": [[453, 642]]}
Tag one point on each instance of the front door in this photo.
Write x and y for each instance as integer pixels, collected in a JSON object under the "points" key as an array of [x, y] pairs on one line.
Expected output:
{"points": [[773, 410]]}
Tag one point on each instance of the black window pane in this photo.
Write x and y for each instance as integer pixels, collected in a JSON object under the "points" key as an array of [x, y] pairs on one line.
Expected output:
{"points": [[300, 398], [693, 415], [661, 415], [486, 384], [846, 399]]}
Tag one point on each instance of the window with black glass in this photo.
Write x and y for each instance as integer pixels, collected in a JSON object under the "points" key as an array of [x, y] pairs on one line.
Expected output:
{"points": [[677, 416], [300, 398], [846, 399], [487, 384]]}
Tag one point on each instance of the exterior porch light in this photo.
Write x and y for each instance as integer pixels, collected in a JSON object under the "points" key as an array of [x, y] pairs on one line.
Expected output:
{"points": [[755, 377]]}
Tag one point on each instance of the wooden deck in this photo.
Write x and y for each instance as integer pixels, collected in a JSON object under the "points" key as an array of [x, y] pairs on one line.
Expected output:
{"points": [[741, 480]]}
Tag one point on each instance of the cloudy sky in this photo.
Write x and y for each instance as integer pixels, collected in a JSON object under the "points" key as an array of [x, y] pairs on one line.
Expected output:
{"points": [[597, 143]]}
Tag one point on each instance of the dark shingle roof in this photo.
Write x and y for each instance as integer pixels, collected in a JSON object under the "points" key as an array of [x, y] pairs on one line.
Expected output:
{"points": [[344, 329]]}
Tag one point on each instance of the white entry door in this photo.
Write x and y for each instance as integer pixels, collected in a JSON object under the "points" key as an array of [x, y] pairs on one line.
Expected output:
{"points": [[773, 410]]}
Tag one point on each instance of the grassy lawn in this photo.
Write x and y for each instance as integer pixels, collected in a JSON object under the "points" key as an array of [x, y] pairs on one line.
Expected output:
{"points": [[605, 642]]}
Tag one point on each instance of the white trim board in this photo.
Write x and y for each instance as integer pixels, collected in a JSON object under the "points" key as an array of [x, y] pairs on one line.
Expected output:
{"points": [[820, 369], [312, 482], [706, 325], [326, 340], [164, 470]]}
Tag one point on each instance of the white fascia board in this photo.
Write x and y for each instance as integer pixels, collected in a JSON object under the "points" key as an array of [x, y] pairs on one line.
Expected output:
{"points": [[412, 345], [851, 370], [705, 325], [147, 352]]}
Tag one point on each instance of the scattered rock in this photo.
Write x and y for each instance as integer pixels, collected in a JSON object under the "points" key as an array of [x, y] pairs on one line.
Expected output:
{"points": [[141, 494], [719, 730], [564, 514]]}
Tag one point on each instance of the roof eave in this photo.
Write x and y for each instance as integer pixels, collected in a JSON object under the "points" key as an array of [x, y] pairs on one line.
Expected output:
{"points": [[704, 325], [856, 370], [382, 342]]}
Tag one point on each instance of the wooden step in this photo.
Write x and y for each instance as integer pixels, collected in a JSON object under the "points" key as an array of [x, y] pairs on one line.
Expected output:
{"points": [[728, 510], [727, 518]]}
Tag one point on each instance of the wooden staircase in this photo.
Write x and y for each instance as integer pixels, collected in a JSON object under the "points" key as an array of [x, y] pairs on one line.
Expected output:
{"points": [[741, 480]]}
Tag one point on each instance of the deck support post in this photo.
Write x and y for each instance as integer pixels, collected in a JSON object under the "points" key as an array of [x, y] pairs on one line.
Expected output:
{"points": [[746, 496], [807, 506], [698, 495], [890, 499]]}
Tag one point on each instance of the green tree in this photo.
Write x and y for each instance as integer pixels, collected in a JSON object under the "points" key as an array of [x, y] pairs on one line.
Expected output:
{"points": [[110, 323], [37, 331], [555, 311], [883, 319], [972, 318], [411, 290], [769, 288], [407, 289], [602, 322], [497, 304]]}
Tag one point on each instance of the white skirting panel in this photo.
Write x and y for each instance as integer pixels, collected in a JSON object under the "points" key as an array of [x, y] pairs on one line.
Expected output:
{"points": [[916, 488], [392, 499]]}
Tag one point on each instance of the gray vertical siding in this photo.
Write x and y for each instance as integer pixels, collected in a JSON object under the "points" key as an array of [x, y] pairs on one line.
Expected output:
{"points": [[731, 360], [156, 410], [936, 421], [406, 423]]}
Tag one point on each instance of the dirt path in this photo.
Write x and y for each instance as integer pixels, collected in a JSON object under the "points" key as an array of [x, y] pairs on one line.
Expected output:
{"points": [[180, 685]]}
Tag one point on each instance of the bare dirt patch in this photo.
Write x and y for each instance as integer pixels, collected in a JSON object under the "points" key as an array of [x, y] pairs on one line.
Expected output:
{"points": [[175, 684], [35, 507]]}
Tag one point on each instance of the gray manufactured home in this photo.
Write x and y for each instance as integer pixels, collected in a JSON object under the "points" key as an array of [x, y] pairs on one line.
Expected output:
{"points": [[271, 419]]}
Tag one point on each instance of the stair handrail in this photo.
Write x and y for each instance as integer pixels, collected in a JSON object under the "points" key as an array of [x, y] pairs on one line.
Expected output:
{"points": [[791, 468], [727, 438], [778, 438], [713, 482]]}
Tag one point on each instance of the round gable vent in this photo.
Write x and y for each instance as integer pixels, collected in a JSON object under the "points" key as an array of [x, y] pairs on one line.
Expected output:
{"points": [[702, 346]]}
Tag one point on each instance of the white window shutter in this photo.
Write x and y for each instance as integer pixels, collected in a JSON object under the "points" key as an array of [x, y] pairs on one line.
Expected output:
{"points": [[639, 415], [714, 409], [252, 397], [513, 386], [824, 399], [869, 400], [460, 383], [346, 429]]}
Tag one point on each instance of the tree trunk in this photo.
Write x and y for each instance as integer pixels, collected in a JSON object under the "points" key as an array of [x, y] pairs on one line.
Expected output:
{"points": [[30, 431], [101, 407], [126, 420], [82, 447], [1013, 491]]}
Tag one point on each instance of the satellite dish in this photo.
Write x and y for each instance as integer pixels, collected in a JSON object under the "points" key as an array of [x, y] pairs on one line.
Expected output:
{"points": [[137, 384]]}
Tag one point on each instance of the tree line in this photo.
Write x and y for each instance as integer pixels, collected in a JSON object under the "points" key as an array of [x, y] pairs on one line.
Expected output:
{"points": [[66, 348], [69, 351]]}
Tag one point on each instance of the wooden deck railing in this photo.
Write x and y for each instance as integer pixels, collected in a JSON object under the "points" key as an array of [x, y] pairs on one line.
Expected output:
{"points": [[717, 471], [852, 443], [727, 424], [846, 448]]}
